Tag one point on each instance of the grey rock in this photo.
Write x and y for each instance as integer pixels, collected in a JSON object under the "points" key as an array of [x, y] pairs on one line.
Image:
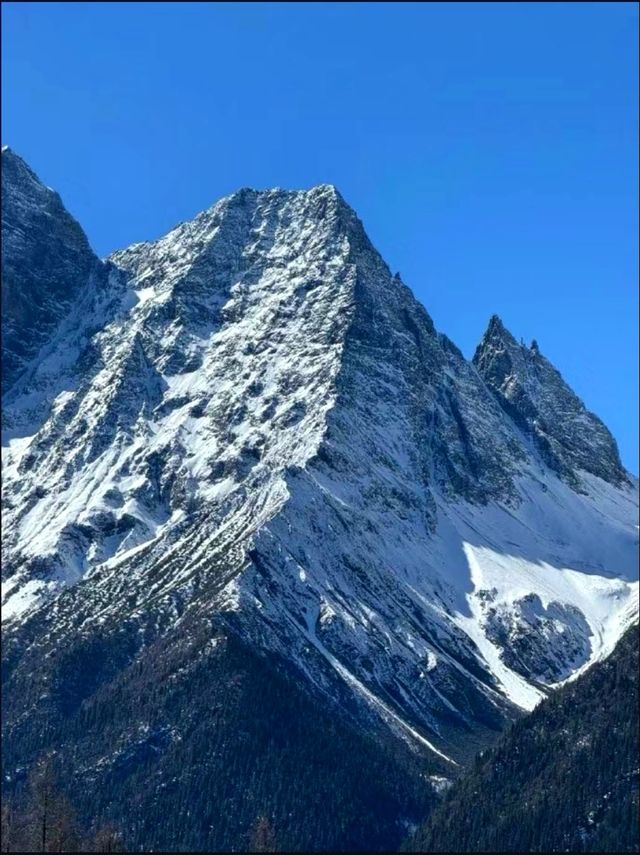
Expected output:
{"points": [[533, 393]]}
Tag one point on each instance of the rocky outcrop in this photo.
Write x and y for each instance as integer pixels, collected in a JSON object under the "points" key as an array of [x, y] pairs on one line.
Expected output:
{"points": [[532, 392]]}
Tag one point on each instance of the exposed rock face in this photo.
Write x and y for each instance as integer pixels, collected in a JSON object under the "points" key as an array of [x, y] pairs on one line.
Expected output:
{"points": [[533, 393], [534, 639], [46, 264], [252, 419]]}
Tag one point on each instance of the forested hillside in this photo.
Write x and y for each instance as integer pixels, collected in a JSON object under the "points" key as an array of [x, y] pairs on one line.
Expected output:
{"points": [[257, 765], [565, 778]]}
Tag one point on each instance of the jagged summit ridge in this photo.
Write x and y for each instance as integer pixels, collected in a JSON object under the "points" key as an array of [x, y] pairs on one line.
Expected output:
{"points": [[246, 198], [533, 393], [252, 418]]}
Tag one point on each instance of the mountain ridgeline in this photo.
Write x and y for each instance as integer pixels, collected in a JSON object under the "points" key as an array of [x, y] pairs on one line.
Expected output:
{"points": [[533, 393], [275, 554]]}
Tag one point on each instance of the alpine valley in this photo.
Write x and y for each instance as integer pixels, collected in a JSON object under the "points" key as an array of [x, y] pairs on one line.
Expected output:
{"points": [[273, 549]]}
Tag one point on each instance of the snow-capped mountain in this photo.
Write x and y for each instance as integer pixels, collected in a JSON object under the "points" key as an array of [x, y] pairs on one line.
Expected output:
{"points": [[253, 419]]}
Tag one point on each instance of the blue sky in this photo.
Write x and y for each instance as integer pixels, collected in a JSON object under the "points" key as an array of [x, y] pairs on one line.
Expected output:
{"points": [[490, 149]]}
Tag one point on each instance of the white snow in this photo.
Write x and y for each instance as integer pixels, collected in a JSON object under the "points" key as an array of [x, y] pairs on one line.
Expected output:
{"points": [[144, 294], [27, 597]]}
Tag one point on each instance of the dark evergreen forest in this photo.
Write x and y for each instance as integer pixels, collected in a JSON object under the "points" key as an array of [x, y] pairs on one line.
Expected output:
{"points": [[562, 779], [260, 764]]}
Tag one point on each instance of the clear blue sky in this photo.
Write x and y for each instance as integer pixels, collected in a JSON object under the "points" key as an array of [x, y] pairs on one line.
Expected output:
{"points": [[490, 149]]}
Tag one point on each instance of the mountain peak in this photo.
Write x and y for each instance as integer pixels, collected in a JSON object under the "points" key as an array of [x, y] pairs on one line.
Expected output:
{"points": [[249, 436], [16, 168], [495, 324], [317, 190], [533, 392], [497, 332], [326, 189], [317, 195]]}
